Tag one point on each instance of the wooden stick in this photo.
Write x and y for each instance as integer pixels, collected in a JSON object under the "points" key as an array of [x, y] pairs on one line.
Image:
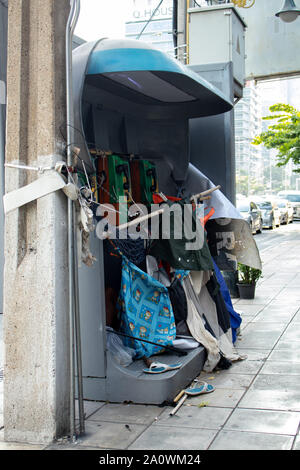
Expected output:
{"points": [[205, 193], [178, 396], [135, 221], [180, 403]]}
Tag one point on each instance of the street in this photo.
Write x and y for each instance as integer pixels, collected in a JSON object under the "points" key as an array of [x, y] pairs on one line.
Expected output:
{"points": [[271, 238]]}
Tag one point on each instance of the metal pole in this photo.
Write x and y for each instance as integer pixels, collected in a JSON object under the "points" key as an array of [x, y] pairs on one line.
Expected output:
{"points": [[78, 334], [71, 23]]}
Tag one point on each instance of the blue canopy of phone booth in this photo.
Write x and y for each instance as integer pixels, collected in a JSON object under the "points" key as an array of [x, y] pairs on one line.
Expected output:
{"points": [[133, 99]]}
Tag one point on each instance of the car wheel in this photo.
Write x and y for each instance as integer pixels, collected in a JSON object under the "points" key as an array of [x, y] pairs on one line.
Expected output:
{"points": [[259, 230], [273, 226]]}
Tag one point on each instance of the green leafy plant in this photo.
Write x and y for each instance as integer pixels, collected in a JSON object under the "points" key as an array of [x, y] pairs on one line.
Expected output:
{"points": [[283, 135], [248, 275]]}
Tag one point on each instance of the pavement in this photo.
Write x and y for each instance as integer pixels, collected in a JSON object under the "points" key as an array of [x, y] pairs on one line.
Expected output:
{"points": [[256, 402]]}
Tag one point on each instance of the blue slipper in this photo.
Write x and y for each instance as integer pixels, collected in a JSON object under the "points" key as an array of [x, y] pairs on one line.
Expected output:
{"points": [[204, 388], [159, 368]]}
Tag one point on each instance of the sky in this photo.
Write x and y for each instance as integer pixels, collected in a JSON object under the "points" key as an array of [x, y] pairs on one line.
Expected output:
{"points": [[101, 18]]}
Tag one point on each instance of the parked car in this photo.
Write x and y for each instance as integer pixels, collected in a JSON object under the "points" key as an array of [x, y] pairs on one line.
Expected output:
{"points": [[286, 211], [294, 198], [250, 212], [270, 213]]}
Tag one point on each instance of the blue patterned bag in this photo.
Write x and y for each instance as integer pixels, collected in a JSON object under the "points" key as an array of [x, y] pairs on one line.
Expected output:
{"points": [[145, 311]]}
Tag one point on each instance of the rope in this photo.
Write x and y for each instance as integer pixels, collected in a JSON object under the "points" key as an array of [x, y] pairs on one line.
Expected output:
{"points": [[170, 348]]}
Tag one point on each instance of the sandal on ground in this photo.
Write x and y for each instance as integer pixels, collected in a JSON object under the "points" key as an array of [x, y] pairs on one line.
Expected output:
{"points": [[199, 389]]}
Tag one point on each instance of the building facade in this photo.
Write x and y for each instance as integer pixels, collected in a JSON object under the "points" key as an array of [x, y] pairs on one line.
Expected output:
{"points": [[151, 21], [249, 164]]}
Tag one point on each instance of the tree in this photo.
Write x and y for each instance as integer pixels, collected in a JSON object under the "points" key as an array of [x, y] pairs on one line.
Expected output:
{"points": [[284, 135]]}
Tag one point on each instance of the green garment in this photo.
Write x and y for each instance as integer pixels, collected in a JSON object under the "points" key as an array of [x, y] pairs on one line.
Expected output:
{"points": [[172, 249]]}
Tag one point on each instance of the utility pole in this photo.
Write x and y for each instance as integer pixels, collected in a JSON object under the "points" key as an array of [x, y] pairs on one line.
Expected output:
{"points": [[36, 326], [182, 49]]}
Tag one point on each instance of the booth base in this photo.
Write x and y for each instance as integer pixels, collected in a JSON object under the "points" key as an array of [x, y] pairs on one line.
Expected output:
{"points": [[131, 384]]}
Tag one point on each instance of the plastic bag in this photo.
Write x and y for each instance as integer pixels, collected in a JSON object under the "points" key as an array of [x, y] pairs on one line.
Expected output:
{"points": [[121, 353]]}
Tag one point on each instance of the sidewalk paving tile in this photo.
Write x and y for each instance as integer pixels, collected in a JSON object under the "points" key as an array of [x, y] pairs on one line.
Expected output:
{"points": [[296, 318], [127, 413], [273, 392], [89, 407], [236, 440], [221, 397], [283, 368], [110, 435], [72, 446], [225, 380], [273, 315], [265, 421], [245, 367], [291, 334], [163, 437], [246, 319], [258, 300], [261, 335], [249, 309], [20, 446], [254, 354], [282, 355], [284, 345], [296, 445], [194, 417]]}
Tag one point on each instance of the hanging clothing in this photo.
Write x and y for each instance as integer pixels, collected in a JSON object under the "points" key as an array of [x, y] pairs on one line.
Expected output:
{"points": [[197, 328], [145, 311], [178, 300], [213, 288], [172, 247], [235, 318], [203, 323]]}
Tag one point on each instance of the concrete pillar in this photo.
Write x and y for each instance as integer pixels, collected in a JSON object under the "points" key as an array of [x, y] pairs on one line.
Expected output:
{"points": [[36, 330], [3, 43]]}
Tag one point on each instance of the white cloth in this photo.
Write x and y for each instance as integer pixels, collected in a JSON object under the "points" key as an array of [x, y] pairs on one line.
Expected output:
{"points": [[207, 307], [46, 184], [185, 343], [200, 333]]}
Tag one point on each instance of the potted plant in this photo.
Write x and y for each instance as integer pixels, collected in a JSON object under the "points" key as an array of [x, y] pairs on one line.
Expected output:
{"points": [[247, 279]]}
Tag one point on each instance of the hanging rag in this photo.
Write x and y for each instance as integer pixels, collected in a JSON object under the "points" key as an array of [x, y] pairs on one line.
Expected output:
{"points": [[85, 226], [212, 312], [157, 272], [235, 318], [197, 327], [145, 311], [178, 300], [171, 248]]}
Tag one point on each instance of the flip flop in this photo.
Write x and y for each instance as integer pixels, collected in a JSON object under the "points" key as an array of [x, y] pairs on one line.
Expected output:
{"points": [[159, 368], [192, 391], [204, 388]]}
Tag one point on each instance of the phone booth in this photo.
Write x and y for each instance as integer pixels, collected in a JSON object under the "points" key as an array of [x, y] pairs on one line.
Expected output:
{"points": [[132, 107]]}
